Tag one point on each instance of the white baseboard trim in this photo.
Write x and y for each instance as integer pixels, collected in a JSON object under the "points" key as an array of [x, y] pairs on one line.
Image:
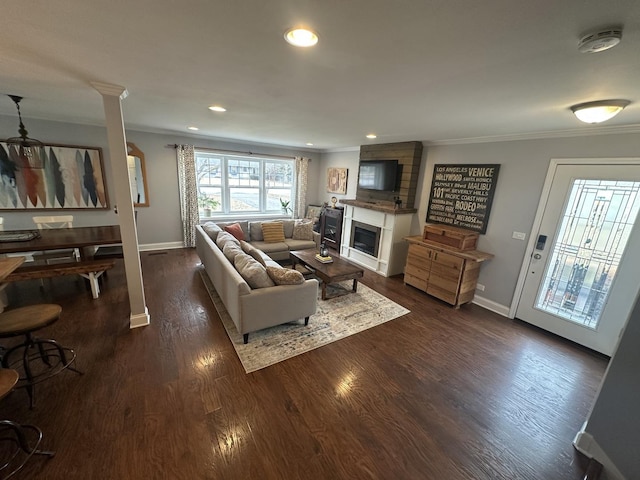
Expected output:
{"points": [[160, 246], [139, 319], [491, 305], [587, 445]]}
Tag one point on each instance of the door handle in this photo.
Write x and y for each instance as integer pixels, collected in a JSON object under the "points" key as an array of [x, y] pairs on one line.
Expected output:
{"points": [[537, 256]]}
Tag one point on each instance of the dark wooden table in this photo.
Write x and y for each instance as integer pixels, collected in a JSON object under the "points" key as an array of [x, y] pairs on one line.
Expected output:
{"points": [[337, 271], [60, 238]]}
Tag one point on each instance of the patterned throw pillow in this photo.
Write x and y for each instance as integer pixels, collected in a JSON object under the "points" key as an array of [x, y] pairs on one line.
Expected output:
{"points": [[252, 272], [303, 230], [285, 276], [236, 230], [273, 232]]}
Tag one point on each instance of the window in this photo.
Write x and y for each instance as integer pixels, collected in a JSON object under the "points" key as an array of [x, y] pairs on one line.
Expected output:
{"points": [[232, 185]]}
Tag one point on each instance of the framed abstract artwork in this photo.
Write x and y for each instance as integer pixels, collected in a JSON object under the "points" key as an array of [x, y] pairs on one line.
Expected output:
{"points": [[337, 180], [52, 177]]}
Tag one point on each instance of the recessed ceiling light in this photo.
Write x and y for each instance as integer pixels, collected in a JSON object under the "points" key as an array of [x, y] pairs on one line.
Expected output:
{"points": [[309, 144], [217, 108], [301, 37], [372, 136], [195, 129]]}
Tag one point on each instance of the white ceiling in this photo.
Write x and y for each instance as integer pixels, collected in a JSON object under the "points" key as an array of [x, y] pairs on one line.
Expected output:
{"points": [[439, 70]]}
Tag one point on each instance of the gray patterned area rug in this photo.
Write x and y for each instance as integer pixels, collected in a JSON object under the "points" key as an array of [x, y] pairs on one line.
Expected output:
{"points": [[338, 317]]}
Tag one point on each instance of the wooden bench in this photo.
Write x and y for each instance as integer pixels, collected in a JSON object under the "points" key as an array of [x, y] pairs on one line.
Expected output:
{"points": [[90, 269]]}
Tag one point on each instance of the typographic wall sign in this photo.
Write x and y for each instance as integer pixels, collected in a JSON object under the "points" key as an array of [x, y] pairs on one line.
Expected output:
{"points": [[461, 195]]}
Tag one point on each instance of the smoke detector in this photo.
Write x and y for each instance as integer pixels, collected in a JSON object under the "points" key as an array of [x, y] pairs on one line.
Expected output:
{"points": [[600, 41]]}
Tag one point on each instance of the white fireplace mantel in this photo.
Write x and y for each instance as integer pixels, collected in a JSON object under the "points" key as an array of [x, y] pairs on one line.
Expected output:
{"points": [[392, 249]]}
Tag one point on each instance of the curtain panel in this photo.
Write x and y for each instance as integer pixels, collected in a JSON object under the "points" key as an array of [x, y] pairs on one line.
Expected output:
{"points": [[302, 180], [188, 193]]}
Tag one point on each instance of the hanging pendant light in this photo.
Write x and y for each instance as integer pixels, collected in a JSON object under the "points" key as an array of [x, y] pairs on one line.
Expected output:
{"points": [[26, 146]]}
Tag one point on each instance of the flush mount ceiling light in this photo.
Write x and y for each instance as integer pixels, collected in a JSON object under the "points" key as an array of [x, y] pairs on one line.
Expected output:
{"points": [[217, 108], [301, 37], [194, 129], [600, 41], [24, 144], [372, 136], [600, 111]]}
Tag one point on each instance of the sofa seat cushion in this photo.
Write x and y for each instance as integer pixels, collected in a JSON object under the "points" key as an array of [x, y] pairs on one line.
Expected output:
{"points": [[253, 272], [299, 244], [271, 247]]}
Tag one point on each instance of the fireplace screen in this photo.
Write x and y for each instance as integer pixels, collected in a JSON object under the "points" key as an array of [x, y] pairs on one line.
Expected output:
{"points": [[365, 238]]}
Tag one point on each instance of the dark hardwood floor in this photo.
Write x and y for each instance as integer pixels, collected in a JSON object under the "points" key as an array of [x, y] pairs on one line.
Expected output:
{"points": [[436, 394]]}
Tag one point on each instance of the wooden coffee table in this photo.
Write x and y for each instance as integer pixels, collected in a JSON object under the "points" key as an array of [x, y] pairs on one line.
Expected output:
{"points": [[337, 271]]}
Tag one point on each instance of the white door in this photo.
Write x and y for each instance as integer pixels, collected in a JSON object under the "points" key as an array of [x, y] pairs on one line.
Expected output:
{"points": [[582, 274]]}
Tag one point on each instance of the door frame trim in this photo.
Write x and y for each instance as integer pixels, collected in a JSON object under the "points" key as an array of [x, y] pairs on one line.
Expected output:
{"points": [[554, 163]]}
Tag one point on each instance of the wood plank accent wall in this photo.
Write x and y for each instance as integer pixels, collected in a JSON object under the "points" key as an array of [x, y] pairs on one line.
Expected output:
{"points": [[409, 155]]}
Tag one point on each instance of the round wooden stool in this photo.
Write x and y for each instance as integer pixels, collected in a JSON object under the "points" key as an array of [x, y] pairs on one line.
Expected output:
{"points": [[25, 439], [40, 359]]}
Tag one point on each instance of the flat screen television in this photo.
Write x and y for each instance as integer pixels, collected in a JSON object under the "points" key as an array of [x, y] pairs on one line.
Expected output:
{"points": [[378, 175]]}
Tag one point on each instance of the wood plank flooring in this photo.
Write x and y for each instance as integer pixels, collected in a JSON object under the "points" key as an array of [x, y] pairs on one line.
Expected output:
{"points": [[436, 394]]}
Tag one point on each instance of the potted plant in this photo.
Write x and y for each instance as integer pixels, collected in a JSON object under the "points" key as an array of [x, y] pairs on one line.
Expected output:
{"points": [[284, 204], [207, 204]]}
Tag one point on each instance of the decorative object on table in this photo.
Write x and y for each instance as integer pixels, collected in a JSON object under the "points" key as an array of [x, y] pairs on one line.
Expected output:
{"points": [[61, 177], [323, 250], [324, 259], [334, 200], [337, 180], [336, 318], [19, 236], [284, 205]]}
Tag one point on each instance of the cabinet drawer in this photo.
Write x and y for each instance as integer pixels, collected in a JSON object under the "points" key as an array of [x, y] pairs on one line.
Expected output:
{"points": [[417, 271], [448, 261], [419, 253], [442, 293], [415, 281]]}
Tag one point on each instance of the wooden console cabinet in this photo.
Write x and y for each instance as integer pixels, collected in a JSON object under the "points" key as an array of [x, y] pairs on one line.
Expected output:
{"points": [[444, 272]]}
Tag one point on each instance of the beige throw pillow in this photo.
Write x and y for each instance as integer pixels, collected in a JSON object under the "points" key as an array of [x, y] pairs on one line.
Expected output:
{"points": [[285, 276], [303, 230], [252, 272], [230, 250], [273, 232]]}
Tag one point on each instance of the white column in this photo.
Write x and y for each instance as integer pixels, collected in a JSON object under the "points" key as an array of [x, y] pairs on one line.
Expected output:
{"points": [[112, 96]]}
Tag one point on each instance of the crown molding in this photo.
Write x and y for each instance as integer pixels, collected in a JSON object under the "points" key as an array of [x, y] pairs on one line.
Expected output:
{"points": [[110, 90]]}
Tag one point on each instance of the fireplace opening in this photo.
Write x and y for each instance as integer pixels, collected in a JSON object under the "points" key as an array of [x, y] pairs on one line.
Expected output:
{"points": [[365, 238]]}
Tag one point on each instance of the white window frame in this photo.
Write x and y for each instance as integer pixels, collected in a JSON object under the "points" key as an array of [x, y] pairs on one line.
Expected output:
{"points": [[266, 207]]}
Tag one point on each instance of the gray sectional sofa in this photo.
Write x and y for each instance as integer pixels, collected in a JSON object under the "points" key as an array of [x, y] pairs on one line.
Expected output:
{"points": [[256, 302]]}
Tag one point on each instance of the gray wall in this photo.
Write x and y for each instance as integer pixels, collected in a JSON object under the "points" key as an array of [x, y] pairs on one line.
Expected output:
{"points": [[523, 170], [160, 222]]}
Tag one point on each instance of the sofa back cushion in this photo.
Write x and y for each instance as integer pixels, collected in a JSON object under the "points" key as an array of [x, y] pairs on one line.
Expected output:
{"points": [[252, 271], [230, 250], [273, 232], [287, 225], [212, 230], [255, 231], [224, 237], [253, 251]]}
